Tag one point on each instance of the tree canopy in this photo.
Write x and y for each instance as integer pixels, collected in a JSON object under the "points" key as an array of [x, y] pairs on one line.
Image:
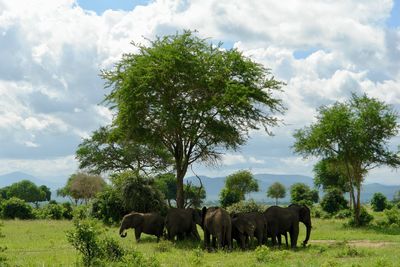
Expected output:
{"points": [[27, 191], [276, 190], [301, 193], [237, 185], [191, 98], [356, 133], [82, 186], [107, 150]]}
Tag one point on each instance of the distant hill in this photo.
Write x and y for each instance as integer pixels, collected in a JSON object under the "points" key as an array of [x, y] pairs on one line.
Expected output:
{"points": [[214, 185], [13, 177]]}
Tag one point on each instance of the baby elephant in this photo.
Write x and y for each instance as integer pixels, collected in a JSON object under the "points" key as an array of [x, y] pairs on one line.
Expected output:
{"points": [[216, 222], [148, 223]]}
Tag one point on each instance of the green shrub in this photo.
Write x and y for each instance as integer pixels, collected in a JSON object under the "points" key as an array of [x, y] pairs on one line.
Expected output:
{"points": [[111, 250], [197, 256], [136, 259], [379, 202], [16, 208], [3, 258], [263, 254], [342, 214], [365, 218], [84, 237], [82, 212], [51, 211], [246, 206], [333, 201], [391, 218], [107, 206], [67, 212]]}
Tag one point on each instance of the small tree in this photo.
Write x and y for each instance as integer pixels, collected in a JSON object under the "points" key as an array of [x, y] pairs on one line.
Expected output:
{"points": [[242, 182], [356, 134], [228, 197], [276, 190], [333, 201], [379, 202], [82, 186], [27, 191], [302, 194]]}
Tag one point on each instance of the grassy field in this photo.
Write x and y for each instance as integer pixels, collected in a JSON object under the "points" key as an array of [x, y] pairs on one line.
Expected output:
{"points": [[43, 243]]}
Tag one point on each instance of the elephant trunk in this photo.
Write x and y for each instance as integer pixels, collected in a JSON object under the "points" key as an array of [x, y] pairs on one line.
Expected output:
{"points": [[121, 232], [308, 226]]}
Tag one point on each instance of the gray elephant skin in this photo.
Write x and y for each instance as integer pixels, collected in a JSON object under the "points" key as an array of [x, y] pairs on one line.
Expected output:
{"points": [[257, 219], [182, 223], [242, 231], [282, 220], [148, 223], [216, 222]]}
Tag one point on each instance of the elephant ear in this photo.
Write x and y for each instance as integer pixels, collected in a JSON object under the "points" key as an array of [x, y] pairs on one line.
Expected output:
{"points": [[304, 213]]}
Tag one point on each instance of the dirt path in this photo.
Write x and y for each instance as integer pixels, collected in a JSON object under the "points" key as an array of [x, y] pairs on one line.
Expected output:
{"points": [[356, 243]]}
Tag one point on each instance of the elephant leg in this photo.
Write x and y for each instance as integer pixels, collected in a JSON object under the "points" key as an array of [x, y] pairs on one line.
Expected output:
{"points": [[195, 233], [294, 234], [286, 239], [206, 238], [214, 241], [243, 242], [279, 236], [138, 232]]}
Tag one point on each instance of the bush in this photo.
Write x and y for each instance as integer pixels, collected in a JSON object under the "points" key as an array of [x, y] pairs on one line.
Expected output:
{"points": [[82, 212], [107, 206], [84, 238], [16, 208], [67, 212], [301, 193], [379, 202], [246, 206], [365, 218], [111, 250], [333, 201], [229, 197], [342, 214], [51, 211]]}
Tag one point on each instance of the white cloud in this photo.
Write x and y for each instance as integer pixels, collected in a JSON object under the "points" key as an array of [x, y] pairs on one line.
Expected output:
{"points": [[52, 52]]}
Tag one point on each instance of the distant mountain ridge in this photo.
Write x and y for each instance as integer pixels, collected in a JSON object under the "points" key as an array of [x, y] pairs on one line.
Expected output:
{"points": [[214, 185]]}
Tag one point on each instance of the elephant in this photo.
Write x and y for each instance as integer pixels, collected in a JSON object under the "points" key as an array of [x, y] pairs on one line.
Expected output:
{"points": [[182, 222], [242, 230], [282, 220], [257, 219], [217, 223], [148, 223]]}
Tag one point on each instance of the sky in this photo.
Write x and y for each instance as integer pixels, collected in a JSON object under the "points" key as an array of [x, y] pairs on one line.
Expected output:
{"points": [[52, 51]]}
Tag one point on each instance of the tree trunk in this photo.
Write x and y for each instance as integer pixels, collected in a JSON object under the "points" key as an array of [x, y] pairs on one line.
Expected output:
{"points": [[357, 206], [276, 201], [180, 198]]}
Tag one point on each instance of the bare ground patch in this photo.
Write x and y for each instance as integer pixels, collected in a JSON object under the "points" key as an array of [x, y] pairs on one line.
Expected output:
{"points": [[356, 243]]}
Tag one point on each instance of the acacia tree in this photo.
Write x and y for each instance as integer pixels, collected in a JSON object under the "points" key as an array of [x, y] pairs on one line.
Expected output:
{"points": [[276, 190], [355, 133], [191, 98], [106, 150]]}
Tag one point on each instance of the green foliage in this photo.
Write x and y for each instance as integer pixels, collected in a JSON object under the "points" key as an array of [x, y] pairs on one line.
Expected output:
{"points": [[3, 258], [276, 190], [330, 174], [111, 250], [194, 195], [197, 257], [228, 198], [16, 208], [82, 212], [137, 259], [51, 211], [301, 193], [190, 98], [342, 214], [391, 218], [246, 206], [108, 206], [67, 210], [379, 202], [355, 134], [349, 251], [333, 201], [365, 218], [263, 254], [106, 150], [27, 191], [138, 193], [84, 237], [241, 181]]}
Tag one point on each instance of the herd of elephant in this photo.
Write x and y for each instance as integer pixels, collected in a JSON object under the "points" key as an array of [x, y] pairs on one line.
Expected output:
{"points": [[220, 227]]}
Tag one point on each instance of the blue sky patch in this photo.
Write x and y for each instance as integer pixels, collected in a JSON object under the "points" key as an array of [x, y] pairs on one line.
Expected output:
{"points": [[99, 6], [394, 20], [304, 53]]}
